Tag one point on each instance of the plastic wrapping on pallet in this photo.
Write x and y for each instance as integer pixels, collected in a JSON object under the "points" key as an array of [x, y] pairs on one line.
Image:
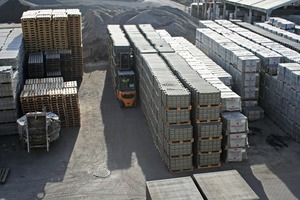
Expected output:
{"points": [[208, 160], [235, 154], [236, 140], [230, 101], [178, 133], [209, 145], [234, 122]]}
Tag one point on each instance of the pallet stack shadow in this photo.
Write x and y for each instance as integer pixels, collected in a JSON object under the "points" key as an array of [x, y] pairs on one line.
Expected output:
{"points": [[280, 96], [165, 103], [47, 30], [11, 78], [52, 95], [239, 62], [231, 102]]}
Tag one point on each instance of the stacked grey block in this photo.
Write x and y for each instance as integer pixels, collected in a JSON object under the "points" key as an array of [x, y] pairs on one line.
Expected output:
{"points": [[8, 112], [165, 103], [239, 62], [118, 43], [206, 100], [280, 96], [283, 33], [36, 65], [235, 130], [11, 78]]}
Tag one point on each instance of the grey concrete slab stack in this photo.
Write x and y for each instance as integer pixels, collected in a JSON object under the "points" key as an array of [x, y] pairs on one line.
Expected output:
{"points": [[172, 189], [11, 64], [236, 60], [8, 112], [280, 96], [206, 108], [118, 43], [224, 185], [165, 102], [235, 131]]}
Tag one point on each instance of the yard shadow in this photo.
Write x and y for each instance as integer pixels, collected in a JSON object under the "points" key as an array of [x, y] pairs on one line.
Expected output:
{"points": [[30, 172]]}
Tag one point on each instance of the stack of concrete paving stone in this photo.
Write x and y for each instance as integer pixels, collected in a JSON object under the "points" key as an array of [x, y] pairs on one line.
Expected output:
{"points": [[165, 103], [280, 96], [239, 62], [206, 108], [11, 80], [235, 131], [8, 109]]}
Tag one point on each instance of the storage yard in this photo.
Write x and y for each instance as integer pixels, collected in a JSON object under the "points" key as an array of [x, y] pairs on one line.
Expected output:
{"points": [[215, 115]]}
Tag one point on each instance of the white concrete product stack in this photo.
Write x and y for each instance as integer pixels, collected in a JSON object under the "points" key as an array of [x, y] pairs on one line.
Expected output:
{"points": [[239, 62], [289, 52], [286, 34], [235, 131], [280, 96], [206, 108], [269, 64], [281, 23], [11, 77], [296, 20], [165, 103]]}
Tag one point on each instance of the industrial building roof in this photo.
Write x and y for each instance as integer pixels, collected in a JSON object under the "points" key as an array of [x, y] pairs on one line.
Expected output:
{"points": [[265, 6]]}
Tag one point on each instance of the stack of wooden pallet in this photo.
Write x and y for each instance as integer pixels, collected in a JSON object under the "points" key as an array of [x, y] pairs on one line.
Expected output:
{"points": [[8, 112], [30, 32], [36, 65], [75, 42], [52, 95], [45, 30], [60, 29]]}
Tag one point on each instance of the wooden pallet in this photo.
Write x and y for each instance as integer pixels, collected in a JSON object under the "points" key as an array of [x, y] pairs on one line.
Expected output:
{"points": [[181, 141], [178, 108], [211, 138], [208, 166], [209, 152], [207, 120], [181, 170], [3, 174], [177, 123], [208, 106]]}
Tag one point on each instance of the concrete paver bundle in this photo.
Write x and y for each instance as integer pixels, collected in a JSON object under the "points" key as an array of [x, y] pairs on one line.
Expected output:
{"points": [[166, 104], [280, 96]]}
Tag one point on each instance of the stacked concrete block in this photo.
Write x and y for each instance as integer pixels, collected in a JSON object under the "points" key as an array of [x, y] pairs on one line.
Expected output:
{"points": [[52, 95], [11, 64], [8, 109], [206, 108], [118, 44], [283, 33], [235, 130], [165, 102], [281, 23], [239, 62], [280, 98], [60, 29]]}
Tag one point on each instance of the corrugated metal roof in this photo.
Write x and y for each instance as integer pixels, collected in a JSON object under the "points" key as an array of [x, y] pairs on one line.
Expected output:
{"points": [[261, 5]]}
